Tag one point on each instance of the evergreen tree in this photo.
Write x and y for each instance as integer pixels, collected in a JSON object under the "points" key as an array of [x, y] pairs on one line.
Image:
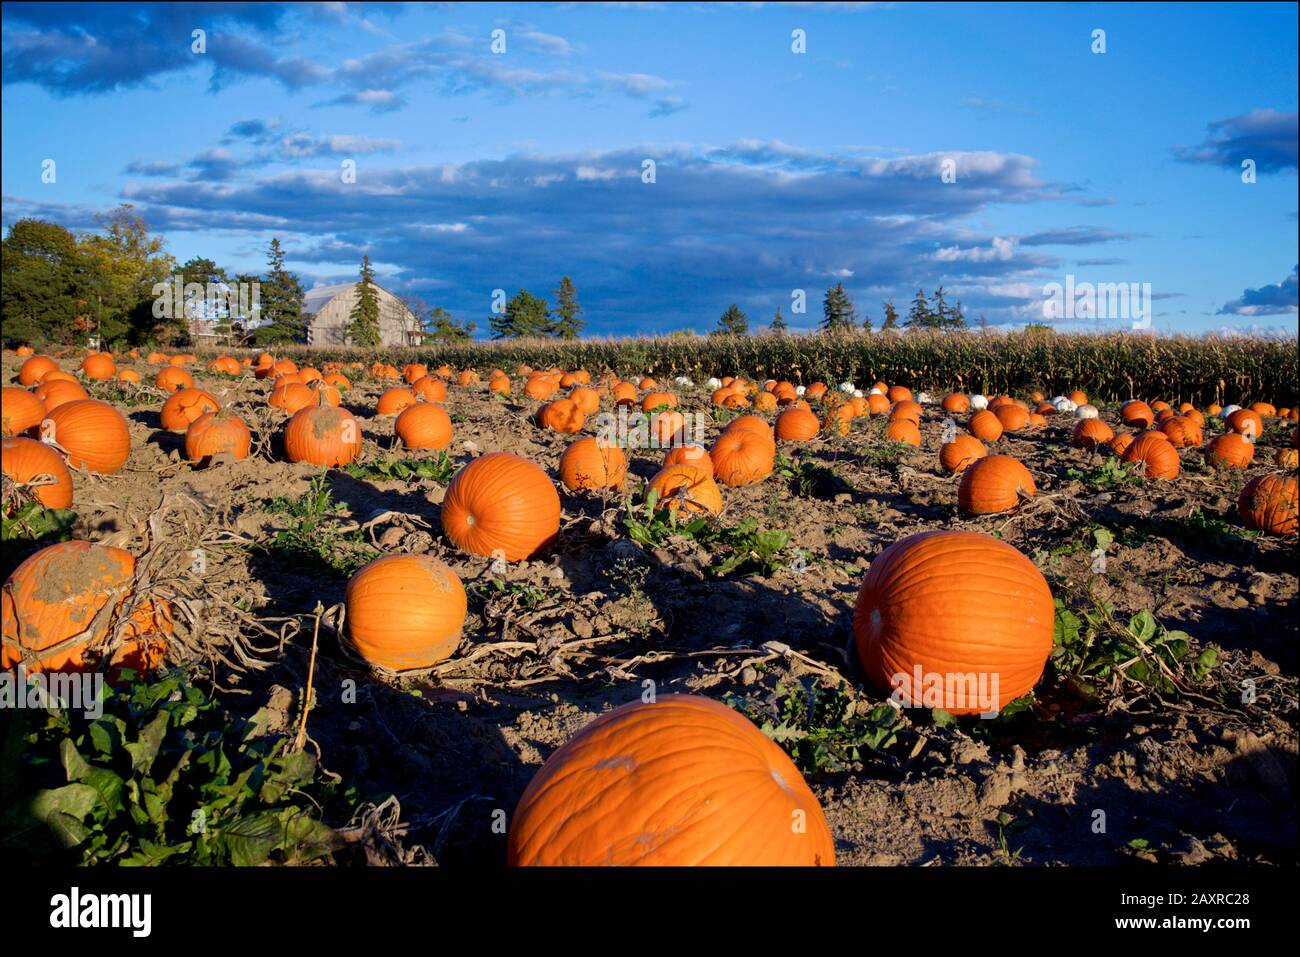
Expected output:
{"points": [[866, 322], [525, 315], [778, 321], [837, 309], [891, 317], [920, 316], [282, 302], [732, 322], [363, 321], [441, 327], [939, 309], [567, 325], [956, 318]]}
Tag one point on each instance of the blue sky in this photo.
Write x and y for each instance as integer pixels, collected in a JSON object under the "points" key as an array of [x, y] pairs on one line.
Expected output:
{"points": [[774, 170]]}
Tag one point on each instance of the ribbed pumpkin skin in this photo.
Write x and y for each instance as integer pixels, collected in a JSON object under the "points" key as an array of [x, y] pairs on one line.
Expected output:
{"points": [[24, 459], [985, 426], [1137, 414], [685, 781], [590, 463], [907, 409], [1181, 431], [430, 389], [796, 425], [55, 392], [751, 423], [184, 406], [693, 455], [171, 378], [94, 434], [903, 430], [955, 603], [319, 434], [1013, 417], [215, 433], [20, 411], [1270, 503], [562, 415], [742, 457], [501, 502], [994, 484], [56, 593], [394, 401], [1246, 422], [423, 426], [956, 402], [405, 611], [1157, 454], [1120, 443], [31, 371], [1090, 433], [701, 492], [961, 453]]}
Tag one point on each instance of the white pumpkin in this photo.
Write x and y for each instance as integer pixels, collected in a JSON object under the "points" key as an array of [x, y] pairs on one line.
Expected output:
{"points": [[713, 383], [978, 402], [924, 398], [847, 387], [1086, 412], [800, 389], [1227, 410], [1064, 405]]}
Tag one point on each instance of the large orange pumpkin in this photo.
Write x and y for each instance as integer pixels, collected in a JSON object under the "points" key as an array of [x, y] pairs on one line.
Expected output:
{"points": [[430, 389], [994, 484], [54, 393], [31, 370], [742, 457], [905, 431], [1090, 433], [957, 607], [394, 401], [1137, 414], [322, 434], [1246, 422], [960, 453], [501, 505], [1013, 417], [681, 781], [562, 415], [217, 433], [424, 426], [1269, 503], [1181, 431], [985, 426], [592, 463], [99, 366], [20, 411], [956, 402], [796, 424], [62, 602], [687, 488], [25, 460], [405, 611], [694, 455], [171, 378], [1157, 454], [184, 406], [93, 433]]}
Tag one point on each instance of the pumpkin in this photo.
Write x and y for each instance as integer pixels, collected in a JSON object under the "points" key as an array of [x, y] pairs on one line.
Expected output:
{"points": [[467, 377], [58, 375], [905, 431], [24, 460], [765, 402], [1046, 408], [956, 605], [322, 434], [1137, 414], [225, 365], [20, 411], [32, 369], [877, 404], [430, 389], [681, 781], [1182, 432], [338, 380], [1120, 442], [624, 394], [1288, 459], [1012, 417], [750, 423], [907, 409], [993, 484], [956, 402], [308, 375], [695, 455], [24, 350], [61, 604], [657, 400], [796, 425], [687, 488], [1079, 397], [171, 379], [55, 393], [129, 375], [500, 385], [1036, 420], [957, 455], [592, 463], [562, 415], [587, 400], [1246, 422], [99, 366], [394, 401], [423, 426], [1090, 433], [93, 433], [179, 360], [413, 372], [184, 406], [1268, 503], [1157, 454], [742, 457], [1263, 409], [985, 426], [898, 393], [501, 505], [405, 611], [217, 433]]}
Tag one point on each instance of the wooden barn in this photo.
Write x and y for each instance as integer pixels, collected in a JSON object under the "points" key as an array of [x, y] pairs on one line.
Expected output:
{"points": [[330, 308]]}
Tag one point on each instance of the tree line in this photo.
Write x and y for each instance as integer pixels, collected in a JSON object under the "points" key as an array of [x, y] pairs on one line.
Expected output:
{"points": [[840, 315]]}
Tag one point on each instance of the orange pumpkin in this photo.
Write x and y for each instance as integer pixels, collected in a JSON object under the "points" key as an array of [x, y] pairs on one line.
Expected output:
{"points": [[542, 387], [1246, 422], [61, 605], [956, 402], [960, 453], [56, 392], [500, 385], [25, 460], [898, 393], [1090, 433], [1268, 503], [657, 400], [405, 611], [562, 415], [694, 455], [997, 483], [99, 366], [750, 423], [338, 380], [1120, 442], [31, 371], [907, 409], [905, 431], [424, 426], [1013, 417], [322, 434], [501, 505], [394, 401], [93, 433], [20, 411], [430, 389], [1181, 431], [985, 426], [959, 607], [171, 379], [687, 488], [796, 424], [1137, 414], [217, 433], [413, 372], [877, 404], [587, 400], [592, 463], [742, 457], [1157, 454], [129, 375], [184, 406], [681, 781]]}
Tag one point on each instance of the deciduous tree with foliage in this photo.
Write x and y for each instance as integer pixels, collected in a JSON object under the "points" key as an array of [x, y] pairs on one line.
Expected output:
{"points": [[525, 315], [127, 264], [732, 322], [363, 321], [567, 323], [282, 302], [46, 293], [838, 314]]}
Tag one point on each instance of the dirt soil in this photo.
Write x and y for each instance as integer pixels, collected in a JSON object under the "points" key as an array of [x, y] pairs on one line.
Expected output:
{"points": [[1132, 778]]}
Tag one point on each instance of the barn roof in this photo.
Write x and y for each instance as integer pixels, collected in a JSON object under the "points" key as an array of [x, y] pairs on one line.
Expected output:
{"points": [[315, 298]]}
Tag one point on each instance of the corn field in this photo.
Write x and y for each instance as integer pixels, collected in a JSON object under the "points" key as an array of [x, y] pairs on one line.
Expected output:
{"points": [[1110, 367]]}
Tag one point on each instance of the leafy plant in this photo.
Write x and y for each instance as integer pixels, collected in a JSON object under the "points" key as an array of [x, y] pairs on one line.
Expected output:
{"points": [[526, 595], [745, 549], [31, 526], [161, 775], [808, 479], [821, 729], [312, 538], [441, 469], [1109, 475]]}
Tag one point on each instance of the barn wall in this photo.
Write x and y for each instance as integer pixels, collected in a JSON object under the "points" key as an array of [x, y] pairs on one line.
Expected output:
{"points": [[330, 325]]}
